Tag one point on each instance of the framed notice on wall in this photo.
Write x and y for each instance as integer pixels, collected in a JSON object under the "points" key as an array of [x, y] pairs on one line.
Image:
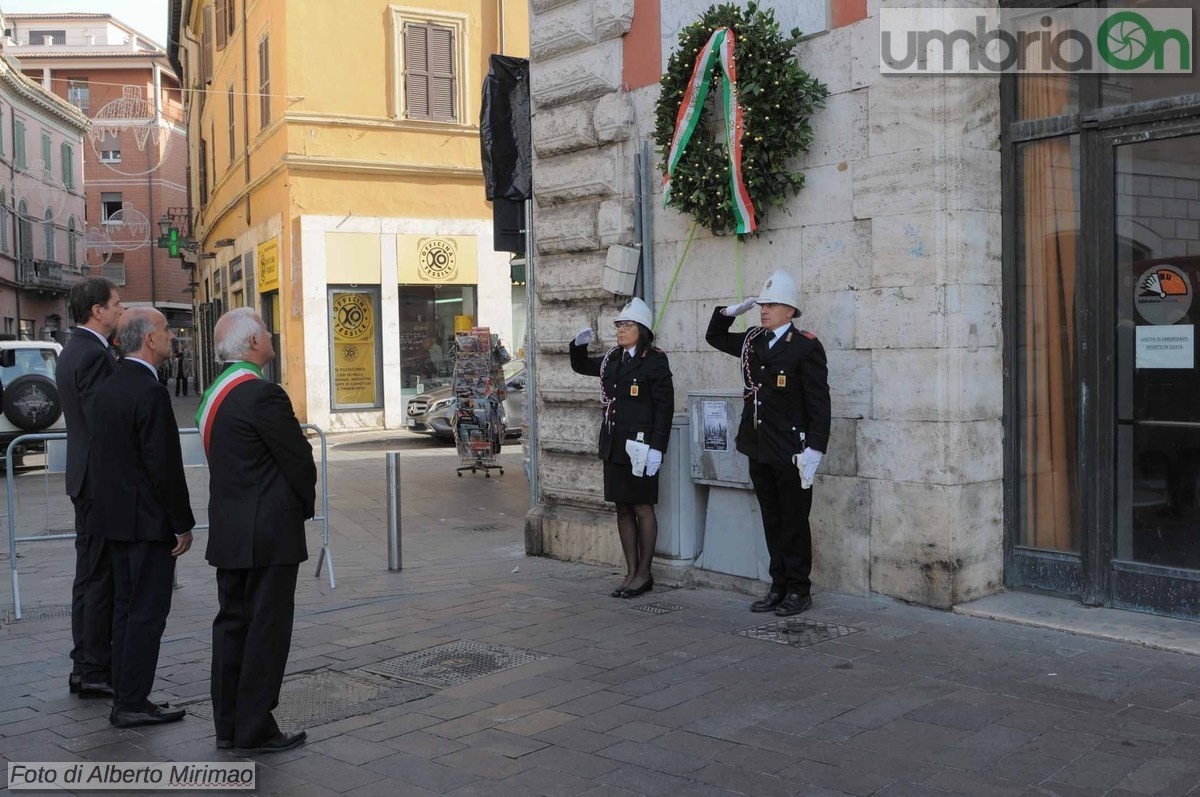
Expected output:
{"points": [[354, 355]]}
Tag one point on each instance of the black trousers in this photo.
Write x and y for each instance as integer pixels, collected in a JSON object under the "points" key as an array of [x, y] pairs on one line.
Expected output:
{"points": [[251, 637], [145, 577], [181, 381], [785, 510], [91, 601]]}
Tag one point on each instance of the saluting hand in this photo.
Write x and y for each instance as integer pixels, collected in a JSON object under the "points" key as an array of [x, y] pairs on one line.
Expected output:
{"points": [[584, 336], [182, 543], [738, 309]]}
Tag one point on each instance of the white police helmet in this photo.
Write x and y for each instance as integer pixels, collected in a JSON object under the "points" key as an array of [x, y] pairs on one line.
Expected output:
{"points": [[638, 311], [780, 288]]}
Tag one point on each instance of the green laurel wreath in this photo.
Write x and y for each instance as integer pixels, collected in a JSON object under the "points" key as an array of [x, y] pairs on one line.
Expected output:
{"points": [[778, 100]]}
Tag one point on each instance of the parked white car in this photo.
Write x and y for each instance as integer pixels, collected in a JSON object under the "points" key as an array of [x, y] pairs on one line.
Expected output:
{"points": [[28, 393]]}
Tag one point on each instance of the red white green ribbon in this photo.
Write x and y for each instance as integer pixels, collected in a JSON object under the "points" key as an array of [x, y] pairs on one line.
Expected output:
{"points": [[718, 49], [218, 391]]}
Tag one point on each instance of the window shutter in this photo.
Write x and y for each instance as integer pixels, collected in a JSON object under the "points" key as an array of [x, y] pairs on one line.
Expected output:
{"points": [[222, 23], [68, 165], [202, 177], [264, 82], [441, 74], [47, 163], [19, 144], [208, 44], [416, 71]]}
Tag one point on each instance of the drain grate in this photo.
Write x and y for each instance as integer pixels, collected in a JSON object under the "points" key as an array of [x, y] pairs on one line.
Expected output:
{"points": [[453, 663], [34, 613], [325, 696], [484, 527], [657, 608], [798, 633]]}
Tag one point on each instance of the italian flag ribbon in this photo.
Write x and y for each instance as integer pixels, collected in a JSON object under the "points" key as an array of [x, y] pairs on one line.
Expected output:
{"points": [[719, 48], [231, 377]]}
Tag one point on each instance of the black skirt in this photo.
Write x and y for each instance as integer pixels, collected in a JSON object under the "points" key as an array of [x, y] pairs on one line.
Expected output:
{"points": [[622, 487]]}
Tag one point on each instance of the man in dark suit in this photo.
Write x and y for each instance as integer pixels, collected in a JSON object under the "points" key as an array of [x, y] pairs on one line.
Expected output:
{"points": [[86, 361], [784, 430], [262, 487], [141, 506]]}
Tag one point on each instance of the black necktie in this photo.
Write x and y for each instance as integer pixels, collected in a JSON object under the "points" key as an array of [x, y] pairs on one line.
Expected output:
{"points": [[625, 357]]}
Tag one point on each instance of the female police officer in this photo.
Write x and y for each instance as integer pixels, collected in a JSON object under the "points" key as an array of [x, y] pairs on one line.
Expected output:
{"points": [[638, 398]]}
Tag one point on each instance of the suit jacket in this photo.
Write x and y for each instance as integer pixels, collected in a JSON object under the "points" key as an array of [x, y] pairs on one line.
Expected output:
{"points": [[643, 399], [139, 491], [263, 480], [84, 365], [791, 380]]}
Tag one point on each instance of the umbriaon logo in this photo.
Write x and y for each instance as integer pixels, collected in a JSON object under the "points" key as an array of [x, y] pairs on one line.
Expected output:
{"points": [[988, 41]]}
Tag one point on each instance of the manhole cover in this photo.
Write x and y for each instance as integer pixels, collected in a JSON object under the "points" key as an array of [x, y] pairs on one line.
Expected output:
{"points": [[657, 608], [325, 696], [798, 633], [452, 663], [34, 613]]}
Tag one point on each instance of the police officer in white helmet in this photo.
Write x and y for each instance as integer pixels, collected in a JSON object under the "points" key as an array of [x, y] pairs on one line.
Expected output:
{"points": [[637, 398], [784, 429]]}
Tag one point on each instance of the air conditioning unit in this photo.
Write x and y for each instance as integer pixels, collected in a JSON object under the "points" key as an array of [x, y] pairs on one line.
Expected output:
{"points": [[620, 270]]}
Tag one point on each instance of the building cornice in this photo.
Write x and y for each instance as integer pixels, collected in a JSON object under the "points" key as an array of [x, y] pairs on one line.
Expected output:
{"points": [[390, 168], [381, 122], [38, 96]]}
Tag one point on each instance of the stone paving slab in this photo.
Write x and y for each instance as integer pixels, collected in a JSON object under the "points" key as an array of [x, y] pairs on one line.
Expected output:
{"points": [[623, 702]]}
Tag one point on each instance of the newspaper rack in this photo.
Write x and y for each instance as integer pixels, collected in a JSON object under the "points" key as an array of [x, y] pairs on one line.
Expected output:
{"points": [[479, 388]]}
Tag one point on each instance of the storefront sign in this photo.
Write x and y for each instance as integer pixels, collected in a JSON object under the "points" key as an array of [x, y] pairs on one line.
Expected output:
{"points": [[437, 259], [268, 266], [354, 331], [1171, 346], [1163, 294]]}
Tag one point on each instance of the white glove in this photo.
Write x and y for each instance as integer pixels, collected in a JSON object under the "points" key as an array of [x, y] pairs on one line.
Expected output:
{"points": [[583, 337], [807, 463], [653, 461], [738, 309]]}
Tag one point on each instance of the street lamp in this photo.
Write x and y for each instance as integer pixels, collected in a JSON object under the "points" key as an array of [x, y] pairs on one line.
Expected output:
{"points": [[164, 225]]}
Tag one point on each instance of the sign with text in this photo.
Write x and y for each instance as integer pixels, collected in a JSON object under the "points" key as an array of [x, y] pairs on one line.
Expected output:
{"points": [[126, 776], [1169, 346], [268, 266], [437, 259], [353, 320]]}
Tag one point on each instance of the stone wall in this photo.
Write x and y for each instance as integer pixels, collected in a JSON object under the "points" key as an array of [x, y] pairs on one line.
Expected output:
{"points": [[896, 244]]}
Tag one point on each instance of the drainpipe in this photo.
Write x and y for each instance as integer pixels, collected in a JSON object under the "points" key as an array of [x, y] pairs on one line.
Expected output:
{"points": [[246, 114]]}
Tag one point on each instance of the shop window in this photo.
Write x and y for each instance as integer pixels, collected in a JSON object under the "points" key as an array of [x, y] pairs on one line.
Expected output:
{"points": [[427, 318]]}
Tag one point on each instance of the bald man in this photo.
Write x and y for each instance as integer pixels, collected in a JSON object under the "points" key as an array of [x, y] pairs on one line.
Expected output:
{"points": [[141, 506]]}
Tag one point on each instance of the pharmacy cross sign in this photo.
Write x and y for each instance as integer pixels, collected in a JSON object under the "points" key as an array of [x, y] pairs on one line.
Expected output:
{"points": [[171, 240]]}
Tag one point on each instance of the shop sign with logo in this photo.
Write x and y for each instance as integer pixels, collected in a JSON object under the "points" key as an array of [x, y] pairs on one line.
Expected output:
{"points": [[437, 259], [268, 266], [354, 346]]}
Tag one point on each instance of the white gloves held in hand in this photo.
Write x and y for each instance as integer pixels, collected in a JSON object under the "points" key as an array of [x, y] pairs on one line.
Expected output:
{"points": [[584, 336], [738, 309], [653, 461], [807, 462]]}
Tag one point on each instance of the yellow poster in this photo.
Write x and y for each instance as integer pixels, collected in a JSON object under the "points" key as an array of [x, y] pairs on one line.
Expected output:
{"points": [[268, 266], [354, 332]]}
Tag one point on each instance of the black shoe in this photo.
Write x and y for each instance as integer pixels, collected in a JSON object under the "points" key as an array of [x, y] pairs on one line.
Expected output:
{"points": [[96, 689], [224, 744], [633, 592], [794, 603], [616, 593], [282, 741], [73, 683], [149, 714], [768, 602]]}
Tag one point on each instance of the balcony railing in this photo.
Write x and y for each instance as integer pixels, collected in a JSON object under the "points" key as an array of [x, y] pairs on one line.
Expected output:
{"points": [[45, 274]]}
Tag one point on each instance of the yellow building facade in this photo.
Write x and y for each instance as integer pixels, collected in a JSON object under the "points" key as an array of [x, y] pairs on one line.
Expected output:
{"points": [[336, 188]]}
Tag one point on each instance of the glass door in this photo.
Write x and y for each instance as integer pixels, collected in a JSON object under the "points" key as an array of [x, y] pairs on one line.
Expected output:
{"points": [[1156, 243]]}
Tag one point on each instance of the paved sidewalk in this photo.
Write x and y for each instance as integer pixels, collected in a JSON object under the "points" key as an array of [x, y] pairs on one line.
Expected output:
{"points": [[611, 700]]}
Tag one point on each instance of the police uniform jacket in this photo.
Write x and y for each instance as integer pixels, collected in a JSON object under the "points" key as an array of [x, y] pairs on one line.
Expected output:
{"points": [[642, 398], [788, 386]]}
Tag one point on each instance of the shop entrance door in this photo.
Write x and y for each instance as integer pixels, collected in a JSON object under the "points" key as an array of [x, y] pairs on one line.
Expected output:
{"points": [[1155, 556]]}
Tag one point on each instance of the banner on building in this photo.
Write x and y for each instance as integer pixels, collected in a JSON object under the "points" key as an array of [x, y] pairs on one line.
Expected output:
{"points": [[437, 259], [355, 328]]}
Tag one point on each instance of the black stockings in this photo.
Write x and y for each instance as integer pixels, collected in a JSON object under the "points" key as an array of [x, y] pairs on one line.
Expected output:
{"points": [[638, 529]]}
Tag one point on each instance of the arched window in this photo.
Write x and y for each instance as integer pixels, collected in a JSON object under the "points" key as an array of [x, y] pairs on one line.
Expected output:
{"points": [[72, 244], [5, 220], [24, 231], [48, 228]]}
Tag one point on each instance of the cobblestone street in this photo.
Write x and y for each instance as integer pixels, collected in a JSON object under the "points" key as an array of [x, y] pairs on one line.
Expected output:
{"points": [[670, 693]]}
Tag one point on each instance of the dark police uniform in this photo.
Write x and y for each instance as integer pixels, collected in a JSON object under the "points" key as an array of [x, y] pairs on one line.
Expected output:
{"points": [[786, 409], [639, 400]]}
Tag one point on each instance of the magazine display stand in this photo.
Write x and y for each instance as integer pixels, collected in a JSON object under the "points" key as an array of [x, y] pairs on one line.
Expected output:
{"points": [[479, 388]]}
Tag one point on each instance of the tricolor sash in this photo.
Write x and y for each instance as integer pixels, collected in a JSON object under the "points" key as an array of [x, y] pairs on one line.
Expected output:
{"points": [[234, 375]]}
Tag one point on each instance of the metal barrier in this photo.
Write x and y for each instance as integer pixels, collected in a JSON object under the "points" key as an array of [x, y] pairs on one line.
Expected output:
{"points": [[196, 452]]}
